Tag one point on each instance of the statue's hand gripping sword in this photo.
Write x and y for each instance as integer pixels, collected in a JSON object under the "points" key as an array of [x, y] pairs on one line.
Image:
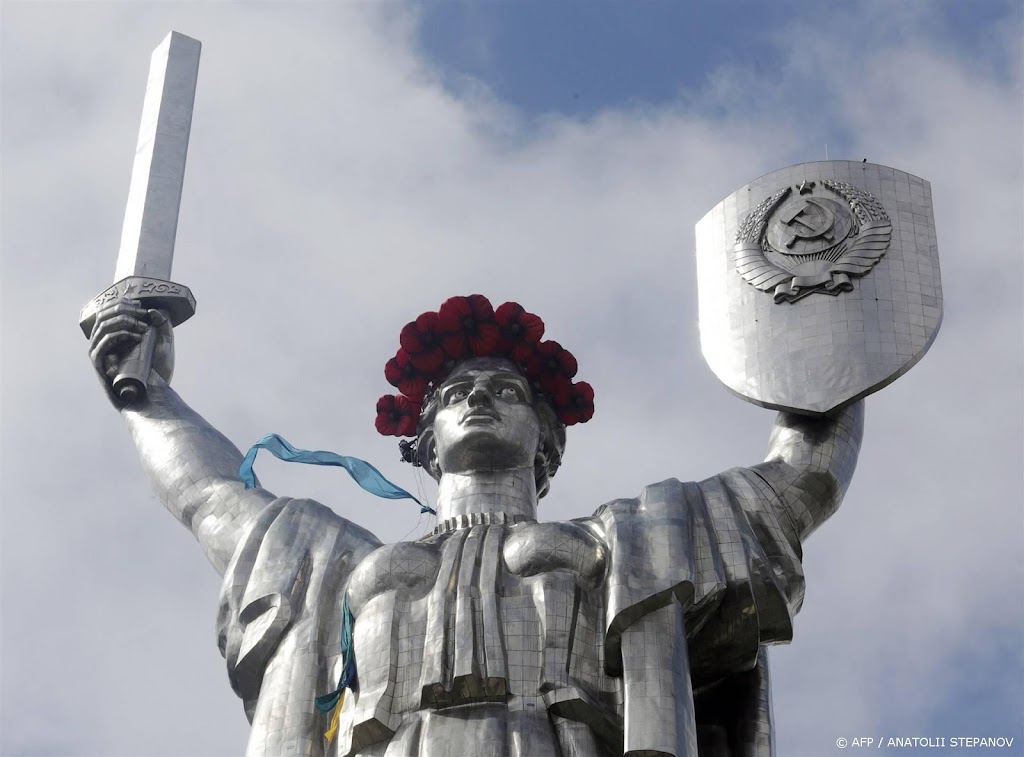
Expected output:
{"points": [[151, 217]]}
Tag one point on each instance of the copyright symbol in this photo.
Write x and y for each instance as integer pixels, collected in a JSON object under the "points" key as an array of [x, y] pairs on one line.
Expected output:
{"points": [[841, 742]]}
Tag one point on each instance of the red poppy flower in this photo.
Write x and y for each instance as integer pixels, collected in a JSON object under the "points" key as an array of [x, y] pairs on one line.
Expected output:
{"points": [[578, 406], [468, 327], [465, 327], [421, 339], [551, 366], [519, 331], [559, 393], [401, 373], [396, 416]]}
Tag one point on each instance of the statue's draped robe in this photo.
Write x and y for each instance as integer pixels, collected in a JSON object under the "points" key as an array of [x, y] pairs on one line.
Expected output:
{"points": [[637, 629]]}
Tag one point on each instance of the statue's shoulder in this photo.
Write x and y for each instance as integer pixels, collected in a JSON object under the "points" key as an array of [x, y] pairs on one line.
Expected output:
{"points": [[291, 564], [326, 523], [671, 491], [304, 530]]}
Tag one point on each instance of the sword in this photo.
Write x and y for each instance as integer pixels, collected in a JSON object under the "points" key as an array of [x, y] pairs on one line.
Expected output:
{"points": [[143, 268]]}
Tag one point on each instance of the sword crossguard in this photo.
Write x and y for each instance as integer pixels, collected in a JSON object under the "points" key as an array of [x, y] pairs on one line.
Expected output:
{"points": [[175, 300]]}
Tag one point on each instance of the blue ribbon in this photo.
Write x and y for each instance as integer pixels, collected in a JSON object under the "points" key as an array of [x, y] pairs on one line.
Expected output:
{"points": [[327, 702], [364, 474]]}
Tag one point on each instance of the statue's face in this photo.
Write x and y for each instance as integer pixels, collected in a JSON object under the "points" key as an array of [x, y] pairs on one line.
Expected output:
{"points": [[485, 421]]}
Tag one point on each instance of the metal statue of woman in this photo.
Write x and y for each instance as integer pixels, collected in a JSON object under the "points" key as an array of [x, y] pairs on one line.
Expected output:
{"points": [[638, 630]]}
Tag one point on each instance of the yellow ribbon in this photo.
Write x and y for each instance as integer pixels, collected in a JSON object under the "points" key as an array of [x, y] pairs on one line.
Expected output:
{"points": [[333, 730]]}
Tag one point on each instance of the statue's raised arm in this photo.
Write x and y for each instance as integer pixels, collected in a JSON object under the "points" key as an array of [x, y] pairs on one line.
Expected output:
{"points": [[810, 464], [192, 467]]}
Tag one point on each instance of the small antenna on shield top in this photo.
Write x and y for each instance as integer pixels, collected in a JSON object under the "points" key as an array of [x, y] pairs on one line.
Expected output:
{"points": [[826, 151]]}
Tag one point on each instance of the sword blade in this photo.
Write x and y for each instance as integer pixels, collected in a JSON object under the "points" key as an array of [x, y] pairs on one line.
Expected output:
{"points": [[158, 174]]}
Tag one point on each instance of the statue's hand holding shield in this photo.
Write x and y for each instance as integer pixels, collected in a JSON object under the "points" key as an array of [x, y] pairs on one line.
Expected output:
{"points": [[818, 284]]}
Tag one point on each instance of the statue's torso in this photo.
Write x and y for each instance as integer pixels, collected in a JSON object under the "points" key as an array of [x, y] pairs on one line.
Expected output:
{"points": [[510, 635], [468, 638]]}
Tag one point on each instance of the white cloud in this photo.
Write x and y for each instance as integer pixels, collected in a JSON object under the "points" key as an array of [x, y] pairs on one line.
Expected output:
{"points": [[335, 190]]}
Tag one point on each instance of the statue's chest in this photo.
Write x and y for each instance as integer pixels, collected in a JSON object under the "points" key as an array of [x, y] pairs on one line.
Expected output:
{"points": [[486, 613]]}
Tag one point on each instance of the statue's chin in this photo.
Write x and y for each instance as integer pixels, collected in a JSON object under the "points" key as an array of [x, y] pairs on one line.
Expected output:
{"points": [[485, 448]]}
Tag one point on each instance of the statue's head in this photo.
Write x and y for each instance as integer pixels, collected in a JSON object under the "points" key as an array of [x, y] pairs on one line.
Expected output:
{"points": [[481, 392], [486, 416]]}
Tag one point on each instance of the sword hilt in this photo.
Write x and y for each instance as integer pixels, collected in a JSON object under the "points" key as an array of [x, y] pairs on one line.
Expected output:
{"points": [[130, 384], [174, 301]]}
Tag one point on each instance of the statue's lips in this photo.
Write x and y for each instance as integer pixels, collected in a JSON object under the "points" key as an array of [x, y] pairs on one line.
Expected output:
{"points": [[480, 416]]}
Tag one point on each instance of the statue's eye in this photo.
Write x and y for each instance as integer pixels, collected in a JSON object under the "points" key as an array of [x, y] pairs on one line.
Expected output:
{"points": [[457, 395], [508, 393]]}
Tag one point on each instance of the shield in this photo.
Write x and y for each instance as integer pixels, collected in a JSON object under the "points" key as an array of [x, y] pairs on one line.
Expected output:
{"points": [[818, 284]]}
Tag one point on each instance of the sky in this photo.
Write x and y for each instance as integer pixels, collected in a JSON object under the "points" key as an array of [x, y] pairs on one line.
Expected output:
{"points": [[353, 165]]}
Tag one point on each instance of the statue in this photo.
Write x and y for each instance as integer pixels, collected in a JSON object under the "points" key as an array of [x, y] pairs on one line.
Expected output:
{"points": [[639, 630], [636, 630]]}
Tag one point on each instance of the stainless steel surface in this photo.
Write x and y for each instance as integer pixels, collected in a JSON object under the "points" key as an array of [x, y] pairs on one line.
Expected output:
{"points": [[818, 284], [173, 299], [151, 216], [158, 174], [639, 630]]}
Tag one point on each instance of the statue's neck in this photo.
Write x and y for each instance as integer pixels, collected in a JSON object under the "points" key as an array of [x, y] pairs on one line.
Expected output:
{"points": [[513, 492]]}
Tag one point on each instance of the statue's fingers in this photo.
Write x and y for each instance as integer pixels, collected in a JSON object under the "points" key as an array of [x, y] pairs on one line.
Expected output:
{"points": [[110, 366], [101, 347], [108, 344], [159, 319], [156, 317], [119, 308], [118, 322]]}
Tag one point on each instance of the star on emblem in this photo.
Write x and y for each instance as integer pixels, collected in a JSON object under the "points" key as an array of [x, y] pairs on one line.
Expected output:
{"points": [[805, 187]]}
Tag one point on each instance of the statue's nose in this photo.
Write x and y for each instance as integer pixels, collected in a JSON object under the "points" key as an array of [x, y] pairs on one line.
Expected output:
{"points": [[480, 396]]}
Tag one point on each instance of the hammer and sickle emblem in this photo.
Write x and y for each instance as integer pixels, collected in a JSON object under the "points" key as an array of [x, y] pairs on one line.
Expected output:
{"points": [[810, 220]]}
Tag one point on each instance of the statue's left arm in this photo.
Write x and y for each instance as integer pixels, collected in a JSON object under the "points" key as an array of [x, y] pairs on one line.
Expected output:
{"points": [[810, 463], [759, 517]]}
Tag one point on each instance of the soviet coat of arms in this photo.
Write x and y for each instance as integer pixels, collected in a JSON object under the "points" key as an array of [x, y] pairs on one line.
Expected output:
{"points": [[813, 239], [818, 284]]}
